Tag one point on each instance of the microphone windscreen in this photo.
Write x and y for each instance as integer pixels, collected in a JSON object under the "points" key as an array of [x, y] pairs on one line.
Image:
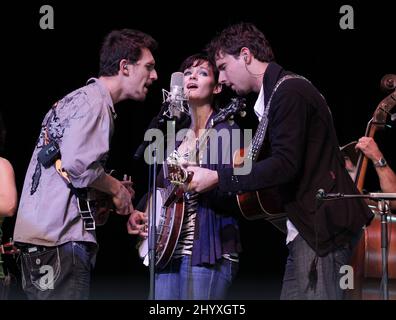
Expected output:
{"points": [[177, 79]]}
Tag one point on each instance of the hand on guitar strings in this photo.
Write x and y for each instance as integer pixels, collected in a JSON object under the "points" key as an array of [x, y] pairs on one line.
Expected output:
{"points": [[137, 224], [203, 179]]}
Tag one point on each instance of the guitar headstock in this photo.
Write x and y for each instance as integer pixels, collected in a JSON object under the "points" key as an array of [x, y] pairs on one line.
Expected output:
{"points": [[237, 105], [177, 174], [174, 171]]}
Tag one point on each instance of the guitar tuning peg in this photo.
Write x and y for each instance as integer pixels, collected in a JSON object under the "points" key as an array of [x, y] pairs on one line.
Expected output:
{"points": [[242, 114], [231, 122]]}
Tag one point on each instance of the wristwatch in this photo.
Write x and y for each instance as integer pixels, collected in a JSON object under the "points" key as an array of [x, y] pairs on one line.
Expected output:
{"points": [[380, 163]]}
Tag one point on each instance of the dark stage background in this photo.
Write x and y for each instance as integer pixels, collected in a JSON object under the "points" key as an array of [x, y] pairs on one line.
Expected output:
{"points": [[41, 66]]}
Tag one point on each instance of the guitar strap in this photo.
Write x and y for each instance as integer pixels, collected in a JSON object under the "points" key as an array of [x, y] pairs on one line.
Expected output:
{"points": [[278, 220], [83, 202], [262, 127]]}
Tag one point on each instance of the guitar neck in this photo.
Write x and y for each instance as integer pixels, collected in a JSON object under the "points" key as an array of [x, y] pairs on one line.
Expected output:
{"points": [[258, 140], [201, 144], [172, 193]]}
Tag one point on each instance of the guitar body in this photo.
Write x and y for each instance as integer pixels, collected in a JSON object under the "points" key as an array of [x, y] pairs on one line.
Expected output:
{"points": [[262, 204], [95, 207], [102, 205], [93, 211], [169, 220]]}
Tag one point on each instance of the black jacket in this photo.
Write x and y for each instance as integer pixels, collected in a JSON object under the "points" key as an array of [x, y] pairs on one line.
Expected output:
{"points": [[304, 157]]}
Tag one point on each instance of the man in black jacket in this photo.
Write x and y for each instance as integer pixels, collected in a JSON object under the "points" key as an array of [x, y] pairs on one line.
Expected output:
{"points": [[304, 157]]}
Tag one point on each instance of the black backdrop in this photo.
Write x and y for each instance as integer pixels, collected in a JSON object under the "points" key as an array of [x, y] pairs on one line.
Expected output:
{"points": [[40, 66]]}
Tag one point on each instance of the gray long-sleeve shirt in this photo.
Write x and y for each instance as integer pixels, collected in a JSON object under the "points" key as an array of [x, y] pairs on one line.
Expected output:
{"points": [[82, 125]]}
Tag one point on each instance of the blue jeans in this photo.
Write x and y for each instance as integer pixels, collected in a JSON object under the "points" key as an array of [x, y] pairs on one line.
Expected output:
{"points": [[298, 265], [5, 287], [60, 272], [181, 281]]}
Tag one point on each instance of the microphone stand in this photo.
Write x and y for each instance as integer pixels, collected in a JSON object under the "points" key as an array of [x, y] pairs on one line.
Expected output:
{"points": [[152, 189], [383, 207], [156, 122], [152, 235]]}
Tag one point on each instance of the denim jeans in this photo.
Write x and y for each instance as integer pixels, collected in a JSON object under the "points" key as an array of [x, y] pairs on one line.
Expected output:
{"points": [[5, 286], [298, 266], [181, 281], [62, 272]]}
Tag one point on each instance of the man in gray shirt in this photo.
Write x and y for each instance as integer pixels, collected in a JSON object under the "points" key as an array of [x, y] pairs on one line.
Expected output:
{"points": [[58, 248]]}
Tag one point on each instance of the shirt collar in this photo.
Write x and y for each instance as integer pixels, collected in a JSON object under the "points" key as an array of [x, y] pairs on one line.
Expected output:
{"points": [[105, 94], [259, 105]]}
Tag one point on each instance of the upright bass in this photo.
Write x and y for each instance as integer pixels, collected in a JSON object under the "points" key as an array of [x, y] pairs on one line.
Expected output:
{"points": [[367, 258]]}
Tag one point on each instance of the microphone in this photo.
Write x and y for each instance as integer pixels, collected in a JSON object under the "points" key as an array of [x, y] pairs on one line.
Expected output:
{"points": [[173, 105], [320, 194], [388, 82], [175, 99]]}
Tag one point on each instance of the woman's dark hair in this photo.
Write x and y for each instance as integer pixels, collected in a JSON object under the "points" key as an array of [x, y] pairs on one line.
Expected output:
{"points": [[232, 39], [123, 44], [196, 60], [220, 100]]}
